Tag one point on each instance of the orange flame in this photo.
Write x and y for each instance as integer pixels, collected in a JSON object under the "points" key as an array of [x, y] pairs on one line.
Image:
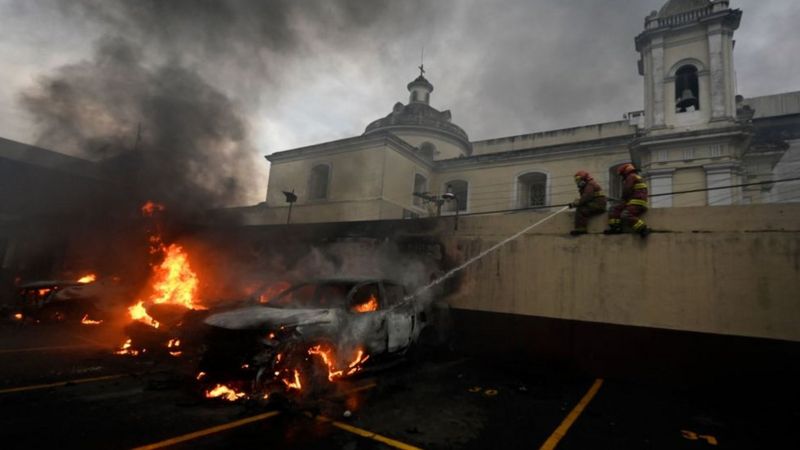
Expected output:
{"points": [[293, 384], [174, 344], [200, 375], [43, 292], [175, 281], [87, 278], [328, 358], [368, 306], [126, 349], [137, 312], [224, 392], [149, 208], [87, 321], [18, 316]]}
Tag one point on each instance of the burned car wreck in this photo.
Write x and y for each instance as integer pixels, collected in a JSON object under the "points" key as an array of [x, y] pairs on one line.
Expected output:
{"points": [[313, 333]]}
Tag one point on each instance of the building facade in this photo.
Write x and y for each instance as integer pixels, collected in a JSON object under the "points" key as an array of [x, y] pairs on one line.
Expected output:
{"points": [[694, 133]]}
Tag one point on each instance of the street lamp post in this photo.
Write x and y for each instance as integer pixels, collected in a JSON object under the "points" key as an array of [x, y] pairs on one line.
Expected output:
{"points": [[291, 197]]}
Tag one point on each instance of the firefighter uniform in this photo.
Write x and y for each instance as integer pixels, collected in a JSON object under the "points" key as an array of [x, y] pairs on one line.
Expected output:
{"points": [[592, 201], [633, 205]]}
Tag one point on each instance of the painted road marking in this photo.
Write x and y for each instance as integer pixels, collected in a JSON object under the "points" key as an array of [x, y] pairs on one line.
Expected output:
{"points": [[44, 349], [573, 415], [207, 431], [61, 383], [230, 425], [367, 434]]}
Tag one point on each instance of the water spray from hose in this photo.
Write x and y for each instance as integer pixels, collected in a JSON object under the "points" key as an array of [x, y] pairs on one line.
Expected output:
{"points": [[482, 254]]}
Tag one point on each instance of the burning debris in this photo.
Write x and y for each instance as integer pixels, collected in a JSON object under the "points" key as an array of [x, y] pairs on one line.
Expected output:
{"points": [[87, 321], [225, 393]]}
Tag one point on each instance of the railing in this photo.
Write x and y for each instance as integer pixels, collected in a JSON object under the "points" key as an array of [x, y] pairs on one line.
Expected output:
{"points": [[686, 17]]}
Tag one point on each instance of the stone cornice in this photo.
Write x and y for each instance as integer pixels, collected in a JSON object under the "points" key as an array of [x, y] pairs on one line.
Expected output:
{"points": [[362, 142], [537, 152]]}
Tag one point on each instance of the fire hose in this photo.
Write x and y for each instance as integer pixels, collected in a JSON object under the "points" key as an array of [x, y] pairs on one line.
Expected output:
{"points": [[482, 254]]}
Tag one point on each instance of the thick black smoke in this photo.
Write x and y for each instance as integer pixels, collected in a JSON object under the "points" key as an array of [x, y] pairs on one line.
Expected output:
{"points": [[163, 131]]}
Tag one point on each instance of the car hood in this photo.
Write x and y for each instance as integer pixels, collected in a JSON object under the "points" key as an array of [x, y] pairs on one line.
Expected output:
{"points": [[266, 317]]}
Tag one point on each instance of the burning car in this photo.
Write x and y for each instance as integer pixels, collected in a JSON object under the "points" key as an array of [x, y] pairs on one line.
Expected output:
{"points": [[58, 300], [310, 335]]}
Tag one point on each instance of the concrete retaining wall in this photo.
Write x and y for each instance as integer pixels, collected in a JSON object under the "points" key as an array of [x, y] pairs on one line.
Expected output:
{"points": [[730, 270]]}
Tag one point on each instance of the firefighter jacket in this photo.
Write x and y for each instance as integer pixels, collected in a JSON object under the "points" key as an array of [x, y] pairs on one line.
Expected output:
{"points": [[634, 190], [590, 192]]}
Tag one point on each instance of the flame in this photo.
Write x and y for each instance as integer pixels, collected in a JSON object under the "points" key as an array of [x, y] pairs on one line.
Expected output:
{"points": [[18, 316], [293, 384], [126, 349], [87, 278], [175, 281], [174, 344], [368, 306], [273, 291], [149, 208], [328, 358], [224, 392], [44, 291], [87, 321], [200, 375], [137, 312]]}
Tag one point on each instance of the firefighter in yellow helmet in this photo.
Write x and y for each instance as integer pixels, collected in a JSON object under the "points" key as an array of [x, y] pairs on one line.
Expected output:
{"points": [[592, 201], [633, 204]]}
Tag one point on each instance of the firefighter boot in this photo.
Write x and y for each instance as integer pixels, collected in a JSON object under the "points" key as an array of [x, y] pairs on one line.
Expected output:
{"points": [[613, 229], [578, 232], [644, 231]]}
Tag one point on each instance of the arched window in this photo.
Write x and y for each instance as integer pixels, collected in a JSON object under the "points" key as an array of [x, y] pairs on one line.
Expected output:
{"points": [[318, 184], [427, 150], [460, 189], [420, 187], [687, 89], [532, 189]]}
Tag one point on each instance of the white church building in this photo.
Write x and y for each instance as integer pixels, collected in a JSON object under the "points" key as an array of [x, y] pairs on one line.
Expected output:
{"points": [[694, 133]]}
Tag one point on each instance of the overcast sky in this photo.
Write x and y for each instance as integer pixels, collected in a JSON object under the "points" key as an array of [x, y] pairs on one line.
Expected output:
{"points": [[301, 72]]}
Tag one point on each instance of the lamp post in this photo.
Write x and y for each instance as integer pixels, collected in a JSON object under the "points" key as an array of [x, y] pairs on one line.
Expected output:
{"points": [[291, 197], [449, 196]]}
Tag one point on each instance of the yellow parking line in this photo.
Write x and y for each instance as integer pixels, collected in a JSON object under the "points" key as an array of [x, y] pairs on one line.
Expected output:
{"points": [[43, 349], [368, 434], [573, 415], [60, 383], [207, 431]]}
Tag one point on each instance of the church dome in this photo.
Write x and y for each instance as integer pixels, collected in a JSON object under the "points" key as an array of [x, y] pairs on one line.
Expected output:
{"points": [[418, 120], [673, 7], [419, 115]]}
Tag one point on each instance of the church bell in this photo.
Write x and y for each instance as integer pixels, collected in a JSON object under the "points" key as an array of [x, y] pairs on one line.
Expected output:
{"points": [[687, 99]]}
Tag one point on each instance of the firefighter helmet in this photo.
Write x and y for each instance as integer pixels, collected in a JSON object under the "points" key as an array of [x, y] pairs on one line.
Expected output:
{"points": [[582, 175], [626, 169]]}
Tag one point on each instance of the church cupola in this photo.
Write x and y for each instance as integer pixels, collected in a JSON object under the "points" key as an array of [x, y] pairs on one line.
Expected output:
{"points": [[420, 89]]}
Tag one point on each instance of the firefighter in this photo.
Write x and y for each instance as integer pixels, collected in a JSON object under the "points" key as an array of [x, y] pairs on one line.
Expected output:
{"points": [[632, 205], [592, 201]]}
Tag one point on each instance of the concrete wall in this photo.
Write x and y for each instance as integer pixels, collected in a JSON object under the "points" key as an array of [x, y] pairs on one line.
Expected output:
{"points": [[729, 270]]}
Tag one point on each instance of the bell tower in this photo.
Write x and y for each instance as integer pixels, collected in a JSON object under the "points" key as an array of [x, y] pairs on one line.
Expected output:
{"points": [[686, 52], [692, 138]]}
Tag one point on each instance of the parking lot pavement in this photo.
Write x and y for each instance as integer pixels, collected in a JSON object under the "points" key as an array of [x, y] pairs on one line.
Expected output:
{"points": [[86, 397]]}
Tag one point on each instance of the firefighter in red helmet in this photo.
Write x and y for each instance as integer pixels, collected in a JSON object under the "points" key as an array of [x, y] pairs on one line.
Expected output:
{"points": [[632, 205], [592, 201]]}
